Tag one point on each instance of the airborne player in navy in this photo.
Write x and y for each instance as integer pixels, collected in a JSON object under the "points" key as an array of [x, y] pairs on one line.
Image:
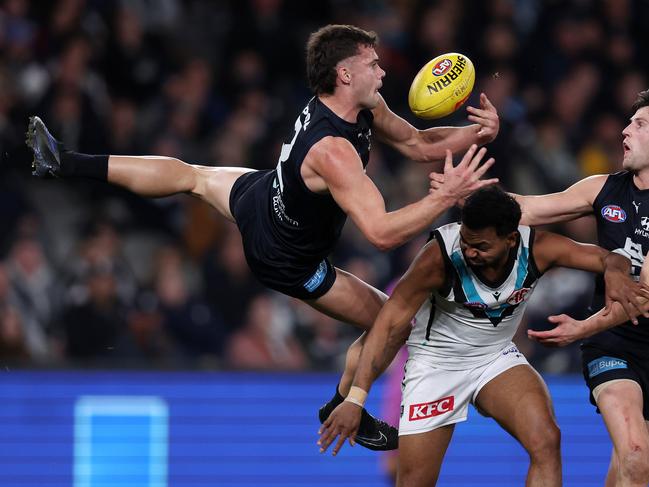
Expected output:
{"points": [[467, 291], [291, 217]]}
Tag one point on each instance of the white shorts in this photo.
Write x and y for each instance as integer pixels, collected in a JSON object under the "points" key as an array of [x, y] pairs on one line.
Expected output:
{"points": [[434, 397]]}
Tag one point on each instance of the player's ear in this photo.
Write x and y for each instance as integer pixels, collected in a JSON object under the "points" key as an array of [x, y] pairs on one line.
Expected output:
{"points": [[344, 74], [512, 239]]}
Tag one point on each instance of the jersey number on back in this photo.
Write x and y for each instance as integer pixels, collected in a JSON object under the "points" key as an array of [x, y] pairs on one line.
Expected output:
{"points": [[287, 148]]}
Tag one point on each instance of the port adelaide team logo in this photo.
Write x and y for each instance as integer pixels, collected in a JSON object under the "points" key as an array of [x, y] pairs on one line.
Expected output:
{"points": [[614, 213]]}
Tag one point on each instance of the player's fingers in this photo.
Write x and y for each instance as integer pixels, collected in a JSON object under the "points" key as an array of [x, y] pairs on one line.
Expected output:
{"points": [[475, 162], [485, 102], [483, 183], [324, 443], [468, 156], [339, 444], [479, 172], [448, 161]]}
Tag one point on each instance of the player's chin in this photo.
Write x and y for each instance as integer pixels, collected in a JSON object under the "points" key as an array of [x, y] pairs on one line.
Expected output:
{"points": [[372, 101]]}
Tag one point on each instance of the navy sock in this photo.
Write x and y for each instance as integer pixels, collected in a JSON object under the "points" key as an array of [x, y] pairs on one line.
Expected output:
{"points": [[75, 164]]}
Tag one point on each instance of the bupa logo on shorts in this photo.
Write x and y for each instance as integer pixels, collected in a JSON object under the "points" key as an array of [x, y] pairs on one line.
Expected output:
{"points": [[316, 279], [518, 296], [604, 364], [430, 409], [442, 67], [512, 349], [614, 213]]}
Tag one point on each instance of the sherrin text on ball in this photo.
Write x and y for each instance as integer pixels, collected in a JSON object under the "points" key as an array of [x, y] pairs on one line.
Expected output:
{"points": [[441, 86]]}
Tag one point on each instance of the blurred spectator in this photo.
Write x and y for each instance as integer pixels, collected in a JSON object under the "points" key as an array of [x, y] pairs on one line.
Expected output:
{"points": [[229, 285], [263, 343], [193, 324], [13, 346], [94, 325]]}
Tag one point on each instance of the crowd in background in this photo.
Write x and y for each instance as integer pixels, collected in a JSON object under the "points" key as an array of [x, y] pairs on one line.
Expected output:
{"points": [[92, 275]]}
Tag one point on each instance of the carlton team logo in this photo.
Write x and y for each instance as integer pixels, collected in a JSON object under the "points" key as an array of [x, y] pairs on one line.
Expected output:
{"points": [[430, 409], [518, 296], [442, 67], [614, 213]]}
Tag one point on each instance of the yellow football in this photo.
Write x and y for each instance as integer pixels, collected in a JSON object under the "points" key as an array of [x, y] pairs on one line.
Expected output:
{"points": [[441, 86]]}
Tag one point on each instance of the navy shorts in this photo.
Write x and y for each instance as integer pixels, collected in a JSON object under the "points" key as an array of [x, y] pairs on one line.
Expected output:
{"points": [[599, 366], [269, 260]]}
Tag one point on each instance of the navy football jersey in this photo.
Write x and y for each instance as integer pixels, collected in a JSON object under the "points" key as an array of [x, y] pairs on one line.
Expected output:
{"points": [[288, 230], [622, 213], [309, 223]]}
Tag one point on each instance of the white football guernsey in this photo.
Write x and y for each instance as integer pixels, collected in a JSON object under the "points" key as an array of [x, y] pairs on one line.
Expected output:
{"points": [[469, 321]]}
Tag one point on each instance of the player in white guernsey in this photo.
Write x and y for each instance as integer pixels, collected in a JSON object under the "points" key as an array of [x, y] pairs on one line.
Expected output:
{"points": [[467, 290]]}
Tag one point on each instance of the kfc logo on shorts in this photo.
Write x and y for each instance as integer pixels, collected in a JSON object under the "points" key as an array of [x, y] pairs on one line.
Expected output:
{"points": [[430, 409], [614, 213], [518, 296], [442, 67]]}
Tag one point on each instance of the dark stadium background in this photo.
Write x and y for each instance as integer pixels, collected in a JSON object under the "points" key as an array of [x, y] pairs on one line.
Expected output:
{"points": [[135, 347]]}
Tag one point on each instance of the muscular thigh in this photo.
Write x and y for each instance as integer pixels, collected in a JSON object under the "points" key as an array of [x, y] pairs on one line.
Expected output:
{"points": [[350, 300], [518, 400], [215, 185]]}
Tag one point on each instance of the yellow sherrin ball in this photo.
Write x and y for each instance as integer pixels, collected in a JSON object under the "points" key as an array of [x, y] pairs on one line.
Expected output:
{"points": [[441, 86]]}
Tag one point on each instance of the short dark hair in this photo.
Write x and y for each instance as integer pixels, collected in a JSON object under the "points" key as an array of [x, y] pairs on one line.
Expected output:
{"points": [[491, 207], [327, 47], [641, 101]]}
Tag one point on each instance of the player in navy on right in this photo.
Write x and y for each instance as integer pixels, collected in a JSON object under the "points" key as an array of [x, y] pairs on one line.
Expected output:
{"points": [[291, 217], [615, 359]]}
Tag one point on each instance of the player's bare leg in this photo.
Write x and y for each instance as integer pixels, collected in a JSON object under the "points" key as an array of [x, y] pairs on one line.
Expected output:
{"points": [[620, 403], [354, 301], [150, 176], [156, 176], [519, 401], [421, 456]]}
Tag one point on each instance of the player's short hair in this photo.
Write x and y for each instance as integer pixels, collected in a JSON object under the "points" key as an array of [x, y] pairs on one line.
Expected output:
{"points": [[327, 47], [641, 101], [491, 207]]}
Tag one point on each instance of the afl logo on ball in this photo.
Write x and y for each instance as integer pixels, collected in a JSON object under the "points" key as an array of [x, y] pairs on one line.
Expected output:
{"points": [[442, 67], [614, 213]]}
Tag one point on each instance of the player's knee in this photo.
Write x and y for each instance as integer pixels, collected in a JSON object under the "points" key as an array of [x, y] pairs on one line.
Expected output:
{"points": [[409, 475], [544, 441], [633, 464]]}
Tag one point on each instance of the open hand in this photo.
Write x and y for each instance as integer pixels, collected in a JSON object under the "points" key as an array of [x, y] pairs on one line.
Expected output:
{"points": [[487, 117], [460, 181], [343, 421], [567, 331]]}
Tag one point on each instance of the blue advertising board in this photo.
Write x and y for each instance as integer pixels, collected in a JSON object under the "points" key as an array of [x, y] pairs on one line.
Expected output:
{"points": [[199, 429]]}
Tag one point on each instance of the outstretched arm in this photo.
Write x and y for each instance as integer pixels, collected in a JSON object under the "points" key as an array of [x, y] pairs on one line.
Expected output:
{"points": [[424, 275], [572, 203], [431, 144], [335, 161], [568, 330]]}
